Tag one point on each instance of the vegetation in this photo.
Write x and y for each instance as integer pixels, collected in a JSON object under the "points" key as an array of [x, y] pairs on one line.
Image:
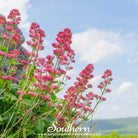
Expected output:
{"points": [[113, 134], [29, 106]]}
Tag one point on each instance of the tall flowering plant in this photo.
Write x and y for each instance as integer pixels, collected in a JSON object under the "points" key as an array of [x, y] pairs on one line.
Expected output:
{"points": [[30, 105]]}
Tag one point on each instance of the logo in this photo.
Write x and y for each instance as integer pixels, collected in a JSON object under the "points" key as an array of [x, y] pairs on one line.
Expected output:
{"points": [[70, 130]]}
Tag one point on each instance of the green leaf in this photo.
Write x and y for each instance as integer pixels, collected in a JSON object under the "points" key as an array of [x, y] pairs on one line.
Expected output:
{"points": [[1, 119], [13, 62], [35, 67], [1, 38], [57, 91], [20, 111], [3, 48], [33, 79], [1, 90], [9, 96], [14, 86], [22, 83], [11, 136], [39, 136], [1, 63], [53, 97], [49, 118], [61, 82], [56, 81], [27, 102], [13, 98], [40, 126], [63, 102], [30, 132]]}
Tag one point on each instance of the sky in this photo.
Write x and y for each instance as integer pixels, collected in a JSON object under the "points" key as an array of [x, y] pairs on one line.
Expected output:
{"points": [[105, 33]]}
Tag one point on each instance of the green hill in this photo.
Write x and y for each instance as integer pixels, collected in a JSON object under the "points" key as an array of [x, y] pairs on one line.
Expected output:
{"points": [[122, 125]]}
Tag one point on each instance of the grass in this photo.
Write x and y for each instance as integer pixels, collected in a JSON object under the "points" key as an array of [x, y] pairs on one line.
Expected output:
{"points": [[113, 134]]}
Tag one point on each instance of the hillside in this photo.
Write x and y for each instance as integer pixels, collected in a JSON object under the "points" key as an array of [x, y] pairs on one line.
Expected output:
{"points": [[122, 125]]}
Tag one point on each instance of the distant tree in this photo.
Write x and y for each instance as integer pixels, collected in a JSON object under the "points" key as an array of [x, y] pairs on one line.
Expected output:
{"points": [[114, 134]]}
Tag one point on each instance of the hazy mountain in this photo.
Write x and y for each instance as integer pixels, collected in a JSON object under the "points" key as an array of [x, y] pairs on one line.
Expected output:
{"points": [[122, 125]]}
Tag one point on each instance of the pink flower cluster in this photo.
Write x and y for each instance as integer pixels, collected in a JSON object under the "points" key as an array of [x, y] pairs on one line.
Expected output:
{"points": [[107, 80], [36, 34], [5, 36], [43, 76], [73, 94], [11, 33], [16, 39], [13, 37], [7, 77], [47, 71], [75, 100], [64, 53], [11, 54], [30, 54], [19, 92], [14, 17], [2, 20]]}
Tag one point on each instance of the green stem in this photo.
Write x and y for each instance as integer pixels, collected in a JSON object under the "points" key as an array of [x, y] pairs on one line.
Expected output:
{"points": [[4, 132]]}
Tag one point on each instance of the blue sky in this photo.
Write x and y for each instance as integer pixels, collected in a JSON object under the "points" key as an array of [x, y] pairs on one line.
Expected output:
{"points": [[105, 33]]}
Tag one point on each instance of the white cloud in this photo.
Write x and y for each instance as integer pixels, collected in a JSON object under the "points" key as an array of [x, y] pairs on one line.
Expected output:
{"points": [[22, 5], [95, 45], [115, 108], [124, 87]]}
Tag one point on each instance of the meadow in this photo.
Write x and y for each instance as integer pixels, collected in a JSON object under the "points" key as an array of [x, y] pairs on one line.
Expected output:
{"points": [[113, 134]]}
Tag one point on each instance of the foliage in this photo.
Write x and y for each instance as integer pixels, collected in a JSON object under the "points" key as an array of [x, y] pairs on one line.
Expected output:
{"points": [[29, 106]]}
